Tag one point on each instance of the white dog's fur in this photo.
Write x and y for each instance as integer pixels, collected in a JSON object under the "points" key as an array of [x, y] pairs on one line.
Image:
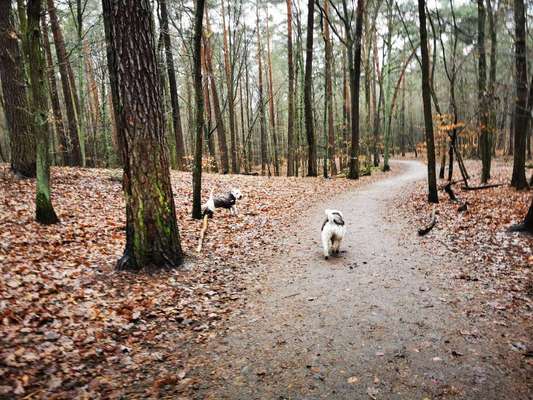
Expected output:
{"points": [[333, 231]]}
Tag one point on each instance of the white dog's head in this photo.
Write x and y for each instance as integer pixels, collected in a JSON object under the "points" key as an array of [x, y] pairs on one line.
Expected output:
{"points": [[236, 193], [334, 217]]}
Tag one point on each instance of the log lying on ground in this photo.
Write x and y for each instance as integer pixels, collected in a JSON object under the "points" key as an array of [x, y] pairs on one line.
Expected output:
{"points": [[423, 231], [481, 187]]}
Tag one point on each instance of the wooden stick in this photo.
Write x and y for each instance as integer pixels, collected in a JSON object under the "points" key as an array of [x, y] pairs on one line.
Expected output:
{"points": [[202, 234], [423, 231]]}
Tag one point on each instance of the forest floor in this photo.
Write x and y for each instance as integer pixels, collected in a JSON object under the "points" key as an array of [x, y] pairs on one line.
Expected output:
{"points": [[70, 326], [260, 314]]}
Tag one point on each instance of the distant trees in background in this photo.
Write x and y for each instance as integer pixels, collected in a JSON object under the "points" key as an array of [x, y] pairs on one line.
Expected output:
{"points": [[275, 100]]}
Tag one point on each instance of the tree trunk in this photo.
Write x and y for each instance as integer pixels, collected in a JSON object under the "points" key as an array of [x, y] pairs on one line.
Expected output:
{"points": [[152, 237], [94, 102], [229, 69], [68, 93], [312, 168], [290, 94], [355, 80], [44, 211], [485, 136], [262, 122], [174, 100], [346, 117], [329, 93], [518, 179], [426, 97], [199, 106], [271, 104], [22, 139], [54, 95], [221, 131]]}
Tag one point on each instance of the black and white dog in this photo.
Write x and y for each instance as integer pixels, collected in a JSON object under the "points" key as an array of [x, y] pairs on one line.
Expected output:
{"points": [[333, 231], [228, 201]]}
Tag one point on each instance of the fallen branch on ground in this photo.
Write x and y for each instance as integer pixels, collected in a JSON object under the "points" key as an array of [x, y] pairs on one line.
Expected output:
{"points": [[423, 231], [481, 187]]}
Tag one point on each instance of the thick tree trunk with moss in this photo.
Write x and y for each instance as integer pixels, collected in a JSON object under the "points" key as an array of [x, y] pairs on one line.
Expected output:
{"points": [[44, 210], [68, 93], [174, 100], [521, 116], [22, 140], [152, 238], [426, 98], [199, 106], [312, 168]]}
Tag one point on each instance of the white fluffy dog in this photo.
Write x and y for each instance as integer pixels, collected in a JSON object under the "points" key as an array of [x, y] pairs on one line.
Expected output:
{"points": [[333, 231]]}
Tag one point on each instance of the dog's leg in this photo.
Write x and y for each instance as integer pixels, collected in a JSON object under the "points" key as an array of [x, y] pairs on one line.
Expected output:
{"points": [[334, 246], [325, 244], [235, 212], [337, 246]]}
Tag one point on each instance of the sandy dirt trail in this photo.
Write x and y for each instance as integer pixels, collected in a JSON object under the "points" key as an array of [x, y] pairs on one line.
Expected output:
{"points": [[375, 322]]}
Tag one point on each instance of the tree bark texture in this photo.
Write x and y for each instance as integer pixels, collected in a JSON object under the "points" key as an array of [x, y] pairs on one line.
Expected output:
{"points": [[521, 116], [312, 167], [199, 108], [16, 108], [44, 211], [152, 238], [426, 98]]}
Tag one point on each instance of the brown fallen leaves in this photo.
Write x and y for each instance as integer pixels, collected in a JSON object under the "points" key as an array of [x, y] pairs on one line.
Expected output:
{"points": [[70, 326], [499, 262]]}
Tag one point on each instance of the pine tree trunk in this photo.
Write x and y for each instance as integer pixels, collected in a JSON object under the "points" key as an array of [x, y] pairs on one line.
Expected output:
{"points": [[16, 108], [152, 237], [174, 100], [68, 92], [377, 101], [426, 97], [329, 92], [221, 131], [229, 69], [518, 179], [312, 168], [355, 87], [94, 102], [54, 95], [485, 136], [44, 211], [290, 94], [199, 108], [271, 103], [262, 119]]}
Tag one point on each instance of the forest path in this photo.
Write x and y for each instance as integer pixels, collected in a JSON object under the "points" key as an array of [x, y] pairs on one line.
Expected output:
{"points": [[375, 322]]}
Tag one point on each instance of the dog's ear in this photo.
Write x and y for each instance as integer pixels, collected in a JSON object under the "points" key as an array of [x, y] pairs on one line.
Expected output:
{"points": [[337, 218]]}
